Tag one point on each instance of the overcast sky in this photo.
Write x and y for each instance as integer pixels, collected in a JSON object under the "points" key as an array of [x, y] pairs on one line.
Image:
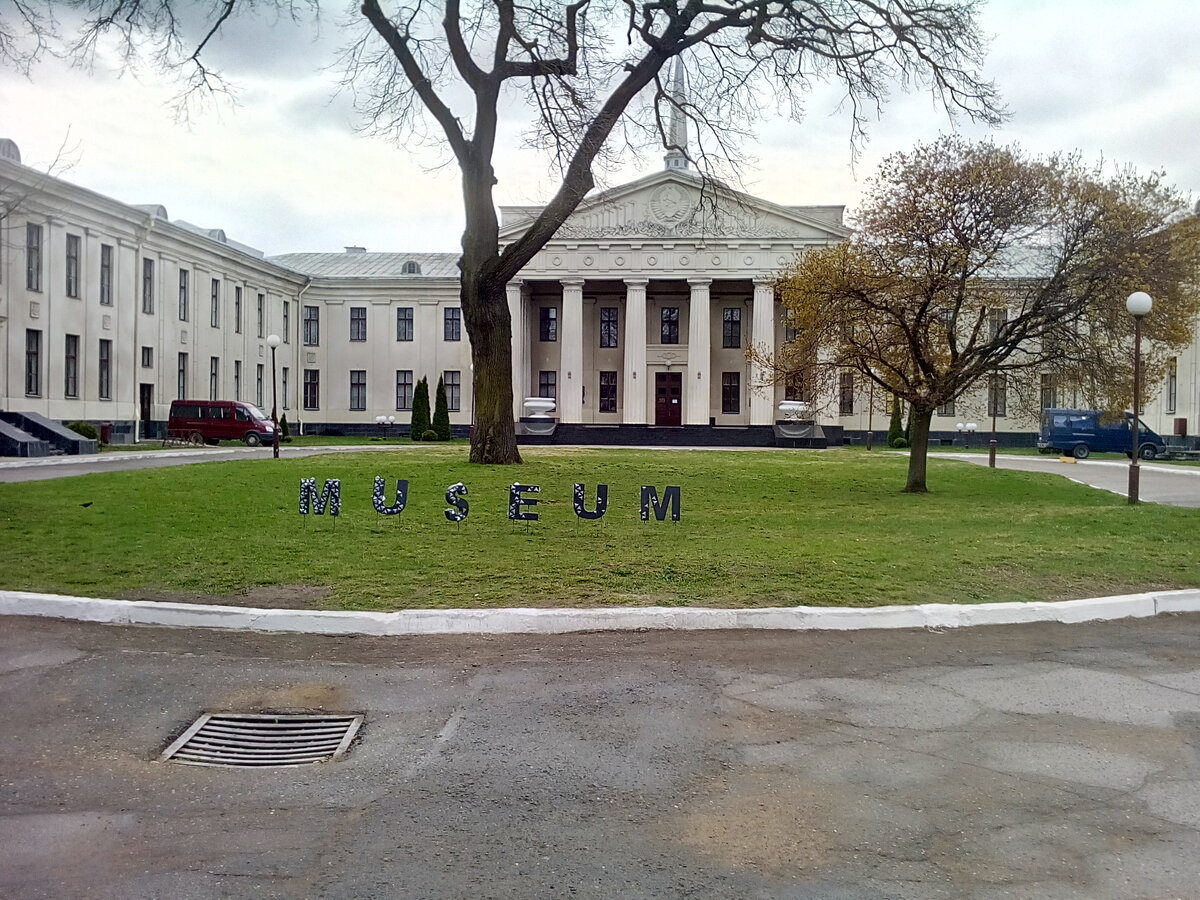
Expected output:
{"points": [[284, 170]]}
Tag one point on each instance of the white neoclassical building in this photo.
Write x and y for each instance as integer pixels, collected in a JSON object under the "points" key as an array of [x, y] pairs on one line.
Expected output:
{"points": [[634, 319]]}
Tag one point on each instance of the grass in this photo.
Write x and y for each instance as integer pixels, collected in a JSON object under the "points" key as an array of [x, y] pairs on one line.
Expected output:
{"points": [[758, 529]]}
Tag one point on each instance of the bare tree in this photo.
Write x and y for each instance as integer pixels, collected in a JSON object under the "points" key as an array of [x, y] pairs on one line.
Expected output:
{"points": [[587, 70], [973, 262]]}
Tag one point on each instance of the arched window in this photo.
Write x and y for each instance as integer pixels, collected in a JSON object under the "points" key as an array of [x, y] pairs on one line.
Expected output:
{"points": [[410, 268]]}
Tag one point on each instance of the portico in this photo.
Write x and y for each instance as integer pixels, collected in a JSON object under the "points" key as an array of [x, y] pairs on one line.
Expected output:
{"points": [[642, 308]]}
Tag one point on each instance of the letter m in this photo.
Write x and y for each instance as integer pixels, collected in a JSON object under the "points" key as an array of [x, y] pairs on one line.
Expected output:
{"points": [[670, 499], [330, 496]]}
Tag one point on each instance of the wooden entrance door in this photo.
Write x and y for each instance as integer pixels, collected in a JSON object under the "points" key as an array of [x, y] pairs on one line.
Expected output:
{"points": [[668, 398], [145, 401]]}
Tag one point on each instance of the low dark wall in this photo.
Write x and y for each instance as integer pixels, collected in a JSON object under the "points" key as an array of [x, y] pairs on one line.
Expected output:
{"points": [[367, 429], [649, 436], [1013, 440]]}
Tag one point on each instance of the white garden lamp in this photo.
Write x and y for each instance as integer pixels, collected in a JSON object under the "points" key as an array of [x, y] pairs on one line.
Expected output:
{"points": [[1139, 305]]}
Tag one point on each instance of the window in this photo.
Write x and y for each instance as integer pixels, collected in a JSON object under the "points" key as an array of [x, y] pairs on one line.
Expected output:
{"points": [[548, 323], [312, 327], [147, 357], [946, 409], [261, 313], [105, 369], [670, 325], [548, 384], [33, 257], [258, 385], [183, 295], [795, 387], [358, 388], [608, 392], [237, 309], [608, 326], [452, 324], [284, 389], [148, 286], [846, 394], [237, 379], [404, 388], [453, 383], [410, 268], [214, 312], [731, 393], [181, 382], [106, 275], [71, 367], [358, 323], [287, 322], [404, 323], [312, 388], [731, 328], [1172, 383], [214, 377], [997, 403], [73, 265], [1049, 391], [33, 362], [996, 320]]}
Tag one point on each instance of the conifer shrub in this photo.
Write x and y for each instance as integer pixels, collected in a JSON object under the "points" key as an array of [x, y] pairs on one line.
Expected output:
{"points": [[441, 412], [420, 411]]}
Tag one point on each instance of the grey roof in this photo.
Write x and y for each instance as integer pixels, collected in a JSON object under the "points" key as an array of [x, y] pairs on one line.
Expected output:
{"points": [[369, 265]]}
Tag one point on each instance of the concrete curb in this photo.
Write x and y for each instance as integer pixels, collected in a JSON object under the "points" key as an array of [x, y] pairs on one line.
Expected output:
{"points": [[559, 621]]}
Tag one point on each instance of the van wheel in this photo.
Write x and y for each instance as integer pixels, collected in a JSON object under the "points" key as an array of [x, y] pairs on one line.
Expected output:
{"points": [[196, 438], [252, 439], [1081, 451], [1147, 451]]}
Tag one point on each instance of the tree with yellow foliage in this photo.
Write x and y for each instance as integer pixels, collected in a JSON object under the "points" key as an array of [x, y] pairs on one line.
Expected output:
{"points": [[972, 261]]}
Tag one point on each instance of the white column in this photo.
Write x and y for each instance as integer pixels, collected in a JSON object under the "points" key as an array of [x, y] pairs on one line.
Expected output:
{"points": [[520, 364], [635, 353], [699, 309], [762, 399], [570, 336]]}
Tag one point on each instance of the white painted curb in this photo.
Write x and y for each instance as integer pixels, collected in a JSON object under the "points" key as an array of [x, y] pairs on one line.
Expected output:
{"points": [[558, 621]]}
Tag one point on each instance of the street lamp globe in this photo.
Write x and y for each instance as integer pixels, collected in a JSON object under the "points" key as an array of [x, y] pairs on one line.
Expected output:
{"points": [[1139, 304], [273, 341], [971, 426]]}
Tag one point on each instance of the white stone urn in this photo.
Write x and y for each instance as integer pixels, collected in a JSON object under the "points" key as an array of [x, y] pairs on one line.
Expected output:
{"points": [[538, 407], [793, 409]]}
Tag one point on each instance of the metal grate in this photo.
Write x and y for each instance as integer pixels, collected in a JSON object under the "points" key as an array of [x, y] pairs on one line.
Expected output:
{"points": [[263, 739]]}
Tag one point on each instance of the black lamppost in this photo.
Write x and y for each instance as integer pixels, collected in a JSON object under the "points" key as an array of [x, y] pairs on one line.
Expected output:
{"points": [[1139, 305], [273, 342], [992, 442]]}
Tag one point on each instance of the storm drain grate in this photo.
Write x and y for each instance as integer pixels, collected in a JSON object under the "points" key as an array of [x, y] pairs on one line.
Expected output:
{"points": [[263, 739]]}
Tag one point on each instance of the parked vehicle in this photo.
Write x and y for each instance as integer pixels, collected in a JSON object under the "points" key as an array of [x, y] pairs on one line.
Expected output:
{"points": [[209, 421], [1081, 432]]}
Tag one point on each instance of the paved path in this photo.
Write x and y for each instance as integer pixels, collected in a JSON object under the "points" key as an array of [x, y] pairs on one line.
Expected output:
{"points": [[1041, 761], [40, 469], [1159, 483]]}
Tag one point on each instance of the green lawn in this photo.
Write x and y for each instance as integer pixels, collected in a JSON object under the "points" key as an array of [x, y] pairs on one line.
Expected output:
{"points": [[758, 529]]}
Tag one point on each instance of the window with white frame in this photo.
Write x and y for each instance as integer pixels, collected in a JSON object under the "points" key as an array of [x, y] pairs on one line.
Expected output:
{"points": [[404, 389], [33, 257], [73, 245], [105, 361], [358, 389], [358, 323], [148, 286], [404, 323], [452, 380], [71, 366]]}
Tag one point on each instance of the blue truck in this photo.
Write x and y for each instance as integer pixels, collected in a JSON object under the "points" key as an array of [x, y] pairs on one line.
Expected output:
{"points": [[1082, 432]]}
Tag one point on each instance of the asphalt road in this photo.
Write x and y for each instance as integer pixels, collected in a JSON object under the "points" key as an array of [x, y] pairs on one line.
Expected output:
{"points": [[12, 469], [1158, 483], [1041, 761]]}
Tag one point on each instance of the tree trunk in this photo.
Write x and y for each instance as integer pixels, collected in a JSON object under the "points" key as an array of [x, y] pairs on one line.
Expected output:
{"points": [[494, 437], [918, 454], [485, 313]]}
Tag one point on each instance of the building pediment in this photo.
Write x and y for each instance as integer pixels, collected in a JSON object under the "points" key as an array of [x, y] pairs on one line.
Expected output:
{"points": [[673, 204]]}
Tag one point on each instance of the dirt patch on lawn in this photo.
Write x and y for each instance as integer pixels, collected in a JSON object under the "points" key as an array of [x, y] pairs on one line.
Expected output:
{"points": [[278, 596]]}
